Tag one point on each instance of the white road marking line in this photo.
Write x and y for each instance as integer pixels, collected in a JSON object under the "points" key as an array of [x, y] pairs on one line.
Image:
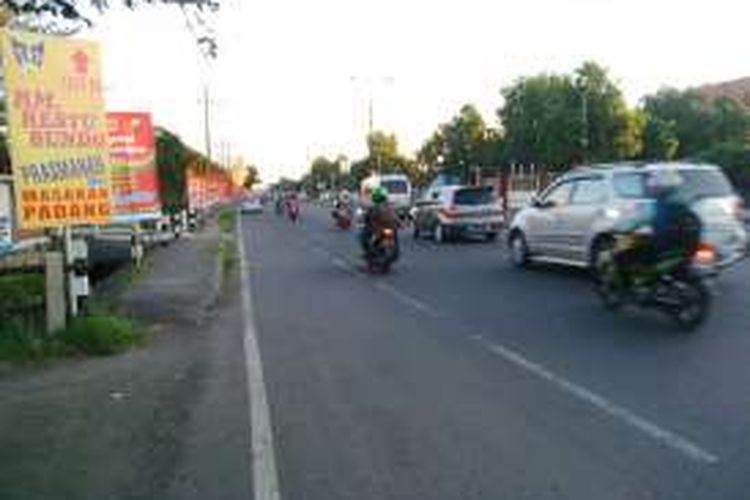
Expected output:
{"points": [[265, 476], [652, 430], [407, 299]]}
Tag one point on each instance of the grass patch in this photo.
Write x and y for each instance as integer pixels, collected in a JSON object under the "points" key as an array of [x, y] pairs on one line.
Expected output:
{"points": [[228, 254], [21, 296], [227, 220], [101, 335], [95, 335]]}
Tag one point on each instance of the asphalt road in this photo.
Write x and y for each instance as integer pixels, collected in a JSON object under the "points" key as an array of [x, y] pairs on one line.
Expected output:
{"points": [[459, 377]]}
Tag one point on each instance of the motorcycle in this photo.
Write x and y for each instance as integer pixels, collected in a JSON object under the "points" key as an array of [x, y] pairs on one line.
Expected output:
{"points": [[343, 218], [293, 211], [382, 251], [670, 285]]}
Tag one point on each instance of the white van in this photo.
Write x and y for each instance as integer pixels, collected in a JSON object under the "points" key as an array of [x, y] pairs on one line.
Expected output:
{"points": [[398, 187]]}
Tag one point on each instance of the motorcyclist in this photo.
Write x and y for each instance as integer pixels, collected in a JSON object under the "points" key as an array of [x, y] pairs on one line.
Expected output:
{"points": [[343, 201], [380, 215], [669, 228], [292, 204]]}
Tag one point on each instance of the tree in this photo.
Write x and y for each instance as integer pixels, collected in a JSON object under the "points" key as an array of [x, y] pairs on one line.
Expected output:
{"points": [[252, 177], [462, 143], [541, 122], [609, 131], [559, 120], [172, 158], [685, 114], [659, 139], [696, 124], [66, 17]]}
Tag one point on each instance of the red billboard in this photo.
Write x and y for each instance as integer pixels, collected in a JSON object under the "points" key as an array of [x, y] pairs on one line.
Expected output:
{"points": [[135, 183]]}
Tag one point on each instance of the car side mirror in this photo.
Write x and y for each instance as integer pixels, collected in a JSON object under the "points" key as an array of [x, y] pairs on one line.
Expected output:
{"points": [[540, 203]]}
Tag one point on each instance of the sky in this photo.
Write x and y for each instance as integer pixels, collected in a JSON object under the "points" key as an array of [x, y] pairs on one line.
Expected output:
{"points": [[293, 78]]}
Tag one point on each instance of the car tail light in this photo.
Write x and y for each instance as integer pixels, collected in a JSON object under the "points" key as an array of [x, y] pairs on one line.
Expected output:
{"points": [[705, 255]]}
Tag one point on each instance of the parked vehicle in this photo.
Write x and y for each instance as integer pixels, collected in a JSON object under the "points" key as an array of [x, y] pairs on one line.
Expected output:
{"points": [[671, 285], [382, 251], [576, 218], [399, 192], [449, 212]]}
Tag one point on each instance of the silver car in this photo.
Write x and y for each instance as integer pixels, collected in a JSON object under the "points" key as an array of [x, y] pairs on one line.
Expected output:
{"points": [[449, 212], [574, 218]]}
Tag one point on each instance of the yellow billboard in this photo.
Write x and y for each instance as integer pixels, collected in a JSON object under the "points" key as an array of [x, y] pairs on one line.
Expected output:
{"points": [[58, 130]]}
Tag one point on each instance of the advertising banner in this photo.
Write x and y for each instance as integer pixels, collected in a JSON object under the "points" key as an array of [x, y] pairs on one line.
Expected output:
{"points": [[135, 184], [58, 130], [6, 218]]}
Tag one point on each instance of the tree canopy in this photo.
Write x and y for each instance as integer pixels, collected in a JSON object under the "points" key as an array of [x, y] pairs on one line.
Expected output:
{"points": [[558, 120], [461, 143]]}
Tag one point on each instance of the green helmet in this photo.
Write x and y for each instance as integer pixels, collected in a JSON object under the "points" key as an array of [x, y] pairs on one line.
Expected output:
{"points": [[379, 195]]}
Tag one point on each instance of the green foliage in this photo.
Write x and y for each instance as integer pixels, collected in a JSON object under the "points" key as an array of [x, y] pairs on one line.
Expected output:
{"points": [[559, 120], [693, 123], [252, 177], [227, 220], [96, 335], [734, 158], [24, 342], [659, 139], [172, 158], [228, 254], [100, 335], [542, 121], [463, 142], [21, 296]]}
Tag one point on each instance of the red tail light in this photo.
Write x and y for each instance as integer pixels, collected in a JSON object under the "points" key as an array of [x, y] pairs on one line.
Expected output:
{"points": [[705, 255]]}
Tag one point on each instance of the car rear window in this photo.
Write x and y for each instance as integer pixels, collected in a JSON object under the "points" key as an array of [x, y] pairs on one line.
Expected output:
{"points": [[395, 186], [696, 184], [473, 196]]}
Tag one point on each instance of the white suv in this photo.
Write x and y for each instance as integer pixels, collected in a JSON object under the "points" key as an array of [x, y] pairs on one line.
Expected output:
{"points": [[575, 217]]}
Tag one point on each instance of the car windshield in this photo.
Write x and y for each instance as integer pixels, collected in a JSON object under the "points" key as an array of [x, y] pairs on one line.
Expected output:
{"points": [[395, 186], [696, 184], [473, 196]]}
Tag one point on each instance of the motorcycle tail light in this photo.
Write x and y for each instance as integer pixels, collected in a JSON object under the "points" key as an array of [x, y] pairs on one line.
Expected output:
{"points": [[705, 255], [388, 233]]}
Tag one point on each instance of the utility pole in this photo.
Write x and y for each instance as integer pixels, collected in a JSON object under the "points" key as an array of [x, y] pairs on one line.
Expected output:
{"points": [[207, 120]]}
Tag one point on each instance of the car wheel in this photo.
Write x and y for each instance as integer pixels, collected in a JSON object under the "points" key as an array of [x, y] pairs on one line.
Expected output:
{"points": [[602, 245], [519, 250], [490, 237]]}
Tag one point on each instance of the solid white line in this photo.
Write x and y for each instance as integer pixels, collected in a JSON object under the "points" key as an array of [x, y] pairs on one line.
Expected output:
{"points": [[668, 438], [265, 476]]}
